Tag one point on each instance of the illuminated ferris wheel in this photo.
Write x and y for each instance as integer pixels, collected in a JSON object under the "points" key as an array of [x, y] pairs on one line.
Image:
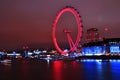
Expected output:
{"points": [[73, 44]]}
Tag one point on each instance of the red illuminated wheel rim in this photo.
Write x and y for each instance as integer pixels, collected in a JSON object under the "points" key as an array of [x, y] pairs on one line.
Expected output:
{"points": [[79, 29]]}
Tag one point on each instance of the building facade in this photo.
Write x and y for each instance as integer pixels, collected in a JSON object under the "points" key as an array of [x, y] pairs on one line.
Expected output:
{"points": [[92, 35]]}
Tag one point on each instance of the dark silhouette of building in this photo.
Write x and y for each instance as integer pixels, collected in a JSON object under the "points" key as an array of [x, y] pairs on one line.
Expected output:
{"points": [[92, 35]]}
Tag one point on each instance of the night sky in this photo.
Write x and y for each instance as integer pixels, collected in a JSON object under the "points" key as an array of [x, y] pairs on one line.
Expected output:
{"points": [[29, 22]]}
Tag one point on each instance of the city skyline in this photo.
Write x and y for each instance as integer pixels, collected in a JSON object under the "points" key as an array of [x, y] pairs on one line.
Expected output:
{"points": [[28, 22]]}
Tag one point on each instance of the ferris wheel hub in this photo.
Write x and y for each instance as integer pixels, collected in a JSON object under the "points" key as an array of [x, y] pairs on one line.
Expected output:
{"points": [[67, 31]]}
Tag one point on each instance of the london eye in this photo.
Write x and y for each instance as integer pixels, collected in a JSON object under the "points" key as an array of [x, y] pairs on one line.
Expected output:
{"points": [[72, 44]]}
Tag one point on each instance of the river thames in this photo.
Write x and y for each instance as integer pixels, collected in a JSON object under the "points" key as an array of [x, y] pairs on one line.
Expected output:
{"points": [[60, 70]]}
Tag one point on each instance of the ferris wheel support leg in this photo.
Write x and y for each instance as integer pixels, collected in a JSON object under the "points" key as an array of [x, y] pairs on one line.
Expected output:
{"points": [[69, 40], [71, 43]]}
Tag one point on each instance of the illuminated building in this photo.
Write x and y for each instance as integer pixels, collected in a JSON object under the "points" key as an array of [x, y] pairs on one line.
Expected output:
{"points": [[94, 50], [113, 45], [92, 35], [107, 46]]}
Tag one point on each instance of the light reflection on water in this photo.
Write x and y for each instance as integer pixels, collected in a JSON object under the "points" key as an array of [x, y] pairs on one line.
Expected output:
{"points": [[57, 72], [60, 70]]}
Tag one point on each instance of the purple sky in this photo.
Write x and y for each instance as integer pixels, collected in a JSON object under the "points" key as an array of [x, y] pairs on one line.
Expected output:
{"points": [[30, 21]]}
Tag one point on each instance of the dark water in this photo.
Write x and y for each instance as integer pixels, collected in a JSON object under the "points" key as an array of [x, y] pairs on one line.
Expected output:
{"points": [[59, 70]]}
